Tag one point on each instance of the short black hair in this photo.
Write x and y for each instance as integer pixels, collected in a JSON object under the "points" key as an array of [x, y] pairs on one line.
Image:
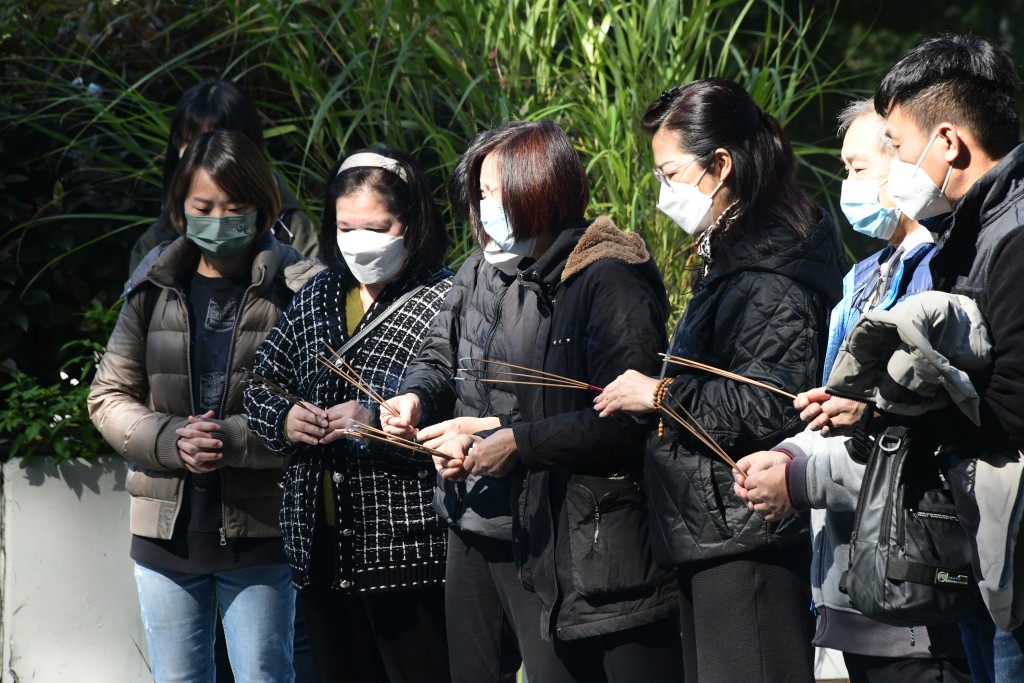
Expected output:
{"points": [[238, 167], [407, 198], [959, 78], [206, 106], [544, 186]]}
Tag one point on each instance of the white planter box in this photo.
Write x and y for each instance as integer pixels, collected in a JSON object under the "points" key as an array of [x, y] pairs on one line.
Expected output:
{"points": [[69, 607]]}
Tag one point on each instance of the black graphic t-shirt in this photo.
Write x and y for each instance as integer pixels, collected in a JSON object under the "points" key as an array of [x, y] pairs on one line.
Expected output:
{"points": [[214, 305]]}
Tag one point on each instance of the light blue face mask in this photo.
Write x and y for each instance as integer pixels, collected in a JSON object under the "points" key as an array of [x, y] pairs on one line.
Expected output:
{"points": [[859, 202], [221, 237], [497, 227]]}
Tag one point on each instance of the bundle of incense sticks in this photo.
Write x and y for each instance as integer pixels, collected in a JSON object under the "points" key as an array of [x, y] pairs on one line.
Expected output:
{"points": [[365, 431], [517, 375], [275, 389], [725, 373], [690, 424], [350, 375]]}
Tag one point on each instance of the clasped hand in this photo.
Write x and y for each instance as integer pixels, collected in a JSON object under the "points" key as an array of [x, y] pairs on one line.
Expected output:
{"points": [[198, 446], [471, 454], [312, 425], [760, 480]]}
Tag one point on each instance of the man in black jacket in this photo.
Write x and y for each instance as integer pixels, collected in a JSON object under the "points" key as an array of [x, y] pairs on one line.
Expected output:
{"points": [[949, 108]]}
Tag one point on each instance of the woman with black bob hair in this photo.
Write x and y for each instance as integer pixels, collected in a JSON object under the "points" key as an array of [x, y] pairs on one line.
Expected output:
{"points": [[168, 396], [366, 550], [588, 303], [771, 270], [222, 105]]}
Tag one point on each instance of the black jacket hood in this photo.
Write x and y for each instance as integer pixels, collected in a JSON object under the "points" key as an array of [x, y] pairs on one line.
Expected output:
{"points": [[816, 261]]}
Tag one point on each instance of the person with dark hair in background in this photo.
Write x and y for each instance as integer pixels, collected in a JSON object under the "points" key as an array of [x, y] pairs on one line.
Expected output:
{"points": [[213, 105], [588, 303], [949, 109], [366, 549], [814, 469], [772, 267], [168, 396]]}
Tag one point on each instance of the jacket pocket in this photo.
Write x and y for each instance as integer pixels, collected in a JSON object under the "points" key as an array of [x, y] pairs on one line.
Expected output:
{"points": [[609, 538]]}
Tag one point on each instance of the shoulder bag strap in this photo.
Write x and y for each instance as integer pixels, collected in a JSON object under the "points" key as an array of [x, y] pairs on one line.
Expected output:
{"points": [[369, 327]]}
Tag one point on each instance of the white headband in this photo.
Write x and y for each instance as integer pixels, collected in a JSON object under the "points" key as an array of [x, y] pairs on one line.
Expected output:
{"points": [[372, 159]]}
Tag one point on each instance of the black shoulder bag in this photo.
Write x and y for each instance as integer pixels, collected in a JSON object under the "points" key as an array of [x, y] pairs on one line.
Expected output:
{"points": [[910, 559]]}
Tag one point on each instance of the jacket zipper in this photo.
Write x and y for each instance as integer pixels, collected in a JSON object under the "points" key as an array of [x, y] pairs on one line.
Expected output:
{"points": [[224, 397], [191, 401], [597, 511]]}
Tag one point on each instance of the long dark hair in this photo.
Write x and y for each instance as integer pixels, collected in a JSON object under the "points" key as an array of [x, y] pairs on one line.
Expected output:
{"points": [[206, 106], [408, 199], [238, 167], [715, 113], [543, 183]]}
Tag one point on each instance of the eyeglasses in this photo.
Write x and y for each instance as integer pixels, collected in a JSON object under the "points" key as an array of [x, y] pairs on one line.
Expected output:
{"points": [[663, 179]]}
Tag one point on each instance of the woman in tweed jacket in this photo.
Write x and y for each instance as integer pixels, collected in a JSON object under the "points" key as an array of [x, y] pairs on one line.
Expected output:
{"points": [[366, 549]]}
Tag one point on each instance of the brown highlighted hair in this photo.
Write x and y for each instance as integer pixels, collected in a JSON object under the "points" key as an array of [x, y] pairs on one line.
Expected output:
{"points": [[543, 183], [236, 164]]}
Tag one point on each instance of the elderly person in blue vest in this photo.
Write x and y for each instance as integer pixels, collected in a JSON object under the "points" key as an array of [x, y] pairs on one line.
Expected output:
{"points": [[813, 470]]}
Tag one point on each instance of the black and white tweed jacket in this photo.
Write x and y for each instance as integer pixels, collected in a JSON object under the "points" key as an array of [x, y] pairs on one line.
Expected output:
{"points": [[388, 536]]}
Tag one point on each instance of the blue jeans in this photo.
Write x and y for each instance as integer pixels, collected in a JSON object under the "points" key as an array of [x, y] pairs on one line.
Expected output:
{"points": [[257, 606], [994, 655]]}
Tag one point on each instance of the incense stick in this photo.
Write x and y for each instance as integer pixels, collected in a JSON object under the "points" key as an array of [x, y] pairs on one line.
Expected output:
{"points": [[725, 373], [364, 430], [275, 389], [350, 375], [698, 431], [540, 378]]}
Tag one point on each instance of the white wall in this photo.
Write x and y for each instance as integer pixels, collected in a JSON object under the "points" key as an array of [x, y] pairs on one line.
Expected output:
{"points": [[69, 607]]}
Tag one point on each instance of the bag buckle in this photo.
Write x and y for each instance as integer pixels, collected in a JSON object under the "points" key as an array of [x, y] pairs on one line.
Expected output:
{"points": [[889, 443]]}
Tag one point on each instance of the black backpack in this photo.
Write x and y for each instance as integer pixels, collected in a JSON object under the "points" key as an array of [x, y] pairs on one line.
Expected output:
{"points": [[910, 559]]}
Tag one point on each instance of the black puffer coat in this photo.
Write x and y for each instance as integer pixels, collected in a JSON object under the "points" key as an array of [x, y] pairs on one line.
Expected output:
{"points": [[469, 325], [590, 308], [764, 316]]}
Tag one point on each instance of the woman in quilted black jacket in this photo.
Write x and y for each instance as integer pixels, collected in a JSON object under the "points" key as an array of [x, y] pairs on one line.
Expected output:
{"points": [[770, 272]]}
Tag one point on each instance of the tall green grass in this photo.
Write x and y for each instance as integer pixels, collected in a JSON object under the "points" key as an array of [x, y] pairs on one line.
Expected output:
{"points": [[83, 165]]}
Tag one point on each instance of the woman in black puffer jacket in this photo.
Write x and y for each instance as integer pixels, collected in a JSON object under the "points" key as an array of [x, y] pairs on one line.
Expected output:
{"points": [[771, 271]]}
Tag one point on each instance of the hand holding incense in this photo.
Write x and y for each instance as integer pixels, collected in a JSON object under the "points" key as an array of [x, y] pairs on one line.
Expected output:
{"points": [[343, 369]]}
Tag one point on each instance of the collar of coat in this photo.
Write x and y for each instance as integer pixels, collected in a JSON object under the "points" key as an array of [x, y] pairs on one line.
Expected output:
{"points": [[602, 240], [167, 265], [580, 245]]}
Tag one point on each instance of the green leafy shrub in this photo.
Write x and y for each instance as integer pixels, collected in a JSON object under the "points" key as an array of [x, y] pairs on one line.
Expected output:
{"points": [[89, 87], [52, 419]]}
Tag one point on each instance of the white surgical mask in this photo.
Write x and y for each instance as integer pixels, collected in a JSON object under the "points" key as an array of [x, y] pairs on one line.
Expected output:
{"points": [[496, 225], [373, 257], [914, 192], [859, 202], [686, 205], [502, 260]]}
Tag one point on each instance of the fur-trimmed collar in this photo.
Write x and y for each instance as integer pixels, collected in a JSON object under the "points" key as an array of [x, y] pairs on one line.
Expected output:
{"points": [[603, 240]]}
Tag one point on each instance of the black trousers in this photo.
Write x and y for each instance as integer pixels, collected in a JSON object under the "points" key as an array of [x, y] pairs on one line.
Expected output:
{"points": [[493, 620], [392, 637], [747, 618], [865, 669]]}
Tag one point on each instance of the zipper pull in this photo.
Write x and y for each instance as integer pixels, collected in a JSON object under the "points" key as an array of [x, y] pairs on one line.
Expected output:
{"points": [[223, 535], [597, 523]]}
